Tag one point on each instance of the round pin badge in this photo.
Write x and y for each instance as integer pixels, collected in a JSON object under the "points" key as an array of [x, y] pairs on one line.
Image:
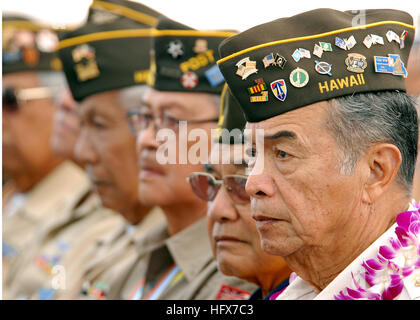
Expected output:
{"points": [[323, 67], [356, 62], [189, 80], [299, 78]]}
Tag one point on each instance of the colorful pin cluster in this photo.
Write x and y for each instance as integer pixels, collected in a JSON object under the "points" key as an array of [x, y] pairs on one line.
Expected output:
{"points": [[97, 291], [46, 263], [204, 56], [355, 62]]}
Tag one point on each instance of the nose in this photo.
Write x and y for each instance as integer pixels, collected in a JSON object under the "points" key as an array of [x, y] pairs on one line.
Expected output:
{"points": [[83, 150], [67, 103], [146, 139], [222, 209], [260, 185]]}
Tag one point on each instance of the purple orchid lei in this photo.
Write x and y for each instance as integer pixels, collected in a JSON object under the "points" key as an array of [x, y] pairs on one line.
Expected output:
{"points": [[384, 275]]}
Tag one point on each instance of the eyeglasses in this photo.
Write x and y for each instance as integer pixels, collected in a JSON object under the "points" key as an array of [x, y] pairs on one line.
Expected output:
{"points": [[139, 121], [205, 186], [13, 98]]}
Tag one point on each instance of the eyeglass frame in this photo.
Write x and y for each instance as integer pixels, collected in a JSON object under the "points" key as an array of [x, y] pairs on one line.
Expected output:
{"points": [[23, 95], [156, 125], [218, 182]]}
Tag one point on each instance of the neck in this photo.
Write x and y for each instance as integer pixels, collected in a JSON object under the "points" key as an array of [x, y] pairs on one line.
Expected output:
{"points": [[181, 216], [25, 181], [136, 214], [321, 264], [270, 280]]}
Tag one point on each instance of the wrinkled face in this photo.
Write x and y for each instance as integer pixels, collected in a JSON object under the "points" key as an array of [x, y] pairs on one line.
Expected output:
{"points": [[27, 129], [301, 201], [66, 126], [233, 234], [106, 148], [166, 184]]}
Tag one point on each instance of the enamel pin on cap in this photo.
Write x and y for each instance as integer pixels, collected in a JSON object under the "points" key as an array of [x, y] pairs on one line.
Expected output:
{"points": [[356, 62], [323, 67], [246, 67], [279, 89], [299, 77]]}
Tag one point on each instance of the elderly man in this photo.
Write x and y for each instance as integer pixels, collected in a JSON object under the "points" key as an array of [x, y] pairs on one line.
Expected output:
{"points": [[35, 194], [183, 100], [106, 64], [233, 234], [331, 187], [65, 197]]}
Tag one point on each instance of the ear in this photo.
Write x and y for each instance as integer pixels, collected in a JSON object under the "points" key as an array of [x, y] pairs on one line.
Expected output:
{"points": [[383, 162]]}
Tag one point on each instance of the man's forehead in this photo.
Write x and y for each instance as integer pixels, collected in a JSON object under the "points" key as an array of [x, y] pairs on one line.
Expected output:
{"points": [[302, 117], [180, 102], [107, 102]]}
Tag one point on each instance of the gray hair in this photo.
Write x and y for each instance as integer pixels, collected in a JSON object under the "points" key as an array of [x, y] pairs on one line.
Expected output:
{"points": [[131, 97], [361, 120], [55, 80]]}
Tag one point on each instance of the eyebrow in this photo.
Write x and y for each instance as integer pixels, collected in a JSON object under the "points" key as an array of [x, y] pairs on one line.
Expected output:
{"points": [[172, 105], [281, 134]]}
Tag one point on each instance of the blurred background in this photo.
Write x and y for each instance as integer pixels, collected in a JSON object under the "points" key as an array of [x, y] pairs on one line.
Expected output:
{"points": [[239, 15]]}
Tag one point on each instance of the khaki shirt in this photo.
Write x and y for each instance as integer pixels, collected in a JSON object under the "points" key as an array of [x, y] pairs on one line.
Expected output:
{"points": [[180, 267], [23, 214], [42, 270], [111, 259]]}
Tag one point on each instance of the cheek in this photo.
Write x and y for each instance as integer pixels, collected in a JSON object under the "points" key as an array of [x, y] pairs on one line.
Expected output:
{"points": [[318, 204], [119, 157], [177, 178], [210, 226]]}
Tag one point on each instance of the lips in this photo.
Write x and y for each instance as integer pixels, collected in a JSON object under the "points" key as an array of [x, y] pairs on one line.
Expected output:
{"points": [[148, 166], [225, 238], [262, 220]]}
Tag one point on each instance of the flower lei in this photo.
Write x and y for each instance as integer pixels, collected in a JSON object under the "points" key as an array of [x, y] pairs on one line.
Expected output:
{"points": [[385, 274]]}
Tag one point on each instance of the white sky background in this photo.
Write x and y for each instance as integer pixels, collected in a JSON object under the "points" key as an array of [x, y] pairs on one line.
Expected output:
{"points": [[203, 14]]}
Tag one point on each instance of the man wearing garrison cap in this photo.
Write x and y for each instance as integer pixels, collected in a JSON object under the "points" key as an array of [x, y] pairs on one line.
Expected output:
{"points": [[43, 192], [332, 195], [183, 100], [233, 234], [106, 63]]}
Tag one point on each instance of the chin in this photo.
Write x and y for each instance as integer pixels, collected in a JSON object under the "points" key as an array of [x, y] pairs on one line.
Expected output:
{"points": [[151, 197], [277, 248], [227, 268], [237, 265]]}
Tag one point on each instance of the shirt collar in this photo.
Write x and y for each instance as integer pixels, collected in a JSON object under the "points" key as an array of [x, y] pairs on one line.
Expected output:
{"points": [[51, 194], [190, 249]]}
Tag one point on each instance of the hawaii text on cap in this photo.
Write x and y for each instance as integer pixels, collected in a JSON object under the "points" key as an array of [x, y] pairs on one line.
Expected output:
{"points": [[317, 55]]}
